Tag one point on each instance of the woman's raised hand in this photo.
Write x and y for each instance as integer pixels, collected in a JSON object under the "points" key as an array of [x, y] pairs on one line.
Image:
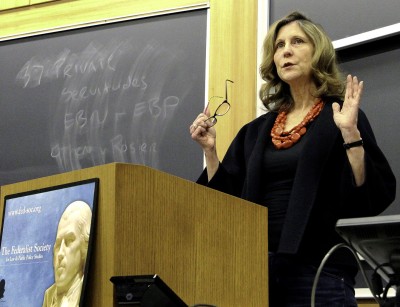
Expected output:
{"points": [[346, 117]]}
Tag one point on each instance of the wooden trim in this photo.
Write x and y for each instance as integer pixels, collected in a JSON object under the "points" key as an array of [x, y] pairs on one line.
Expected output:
{"points": [[262, 29], [33, 2], [38, 30], [233, 55], [367, 303], [11, 4]]}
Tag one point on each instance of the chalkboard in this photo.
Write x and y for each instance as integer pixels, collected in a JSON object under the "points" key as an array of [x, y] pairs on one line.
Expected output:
{"points": [[118, 92], [381, 98], [377, 64], [342, 18]]}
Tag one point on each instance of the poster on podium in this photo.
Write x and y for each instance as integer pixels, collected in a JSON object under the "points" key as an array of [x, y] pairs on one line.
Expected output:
{"points": [[46, 242]]}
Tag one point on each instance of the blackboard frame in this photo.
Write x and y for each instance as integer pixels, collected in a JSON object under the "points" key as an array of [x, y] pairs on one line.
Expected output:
{"points": [[367, 37], [110, 20]]}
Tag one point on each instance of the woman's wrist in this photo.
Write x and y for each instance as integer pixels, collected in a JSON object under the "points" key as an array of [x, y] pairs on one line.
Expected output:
{"points": [[351, 136]]}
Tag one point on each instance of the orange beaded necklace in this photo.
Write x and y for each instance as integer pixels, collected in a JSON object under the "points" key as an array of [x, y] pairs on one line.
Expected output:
{"points": [[285, 139]]}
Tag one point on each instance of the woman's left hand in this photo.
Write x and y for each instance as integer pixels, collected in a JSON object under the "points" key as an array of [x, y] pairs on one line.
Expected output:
{"points": [[346, 120], [346, 117]]}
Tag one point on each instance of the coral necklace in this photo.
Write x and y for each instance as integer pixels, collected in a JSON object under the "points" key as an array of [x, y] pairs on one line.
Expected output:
{"points": [[285, 139]]}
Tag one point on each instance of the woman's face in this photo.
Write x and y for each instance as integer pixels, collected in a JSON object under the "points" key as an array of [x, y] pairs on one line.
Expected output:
{"points": [[293, 55]]}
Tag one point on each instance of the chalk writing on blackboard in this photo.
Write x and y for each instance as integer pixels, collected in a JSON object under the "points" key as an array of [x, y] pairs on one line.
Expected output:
{"points": [[113, 102]]}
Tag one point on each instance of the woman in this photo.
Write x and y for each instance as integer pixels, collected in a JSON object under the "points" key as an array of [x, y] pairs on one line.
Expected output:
{"points": [[312, 159]]}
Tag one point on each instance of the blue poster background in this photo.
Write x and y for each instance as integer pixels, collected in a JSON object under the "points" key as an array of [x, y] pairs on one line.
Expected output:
{"points": [[29, 232]]}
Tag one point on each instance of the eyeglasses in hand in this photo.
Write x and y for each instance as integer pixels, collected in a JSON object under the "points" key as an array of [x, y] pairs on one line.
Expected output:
{"points": [[222, 109]]}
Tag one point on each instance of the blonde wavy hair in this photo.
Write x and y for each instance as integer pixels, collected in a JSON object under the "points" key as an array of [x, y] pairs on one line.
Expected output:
{"points": [[275, 94]]}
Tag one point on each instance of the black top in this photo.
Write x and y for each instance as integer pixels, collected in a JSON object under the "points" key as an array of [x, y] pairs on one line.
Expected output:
{"points": [[278, 172]]}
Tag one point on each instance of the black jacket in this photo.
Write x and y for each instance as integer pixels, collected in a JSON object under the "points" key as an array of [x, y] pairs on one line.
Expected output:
{"points": [[323, 189]]}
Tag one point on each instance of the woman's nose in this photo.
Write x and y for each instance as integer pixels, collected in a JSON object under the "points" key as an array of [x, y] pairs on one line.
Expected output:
{"points": [[287, 50]]}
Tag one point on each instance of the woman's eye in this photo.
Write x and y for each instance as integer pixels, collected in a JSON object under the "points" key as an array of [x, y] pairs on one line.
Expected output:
{"points": [[298, 41], [280, 45]]}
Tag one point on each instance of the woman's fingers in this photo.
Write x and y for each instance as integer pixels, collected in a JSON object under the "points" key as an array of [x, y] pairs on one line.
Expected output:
{"points": [[354, 88]]}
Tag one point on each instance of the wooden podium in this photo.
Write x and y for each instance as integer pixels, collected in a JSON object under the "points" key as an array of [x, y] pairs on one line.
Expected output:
{"points": [[209, 247]]}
